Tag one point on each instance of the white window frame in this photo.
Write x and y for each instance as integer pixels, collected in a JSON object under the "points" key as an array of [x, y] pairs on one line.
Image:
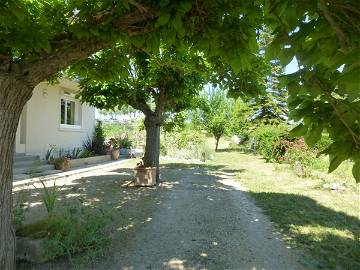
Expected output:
{"points": [[67, 96]]}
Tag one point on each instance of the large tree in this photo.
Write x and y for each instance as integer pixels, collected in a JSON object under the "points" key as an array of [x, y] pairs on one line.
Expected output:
{"points": [[40, 38], [157, 84]]}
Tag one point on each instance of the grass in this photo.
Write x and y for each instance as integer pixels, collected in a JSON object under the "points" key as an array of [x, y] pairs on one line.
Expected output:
{"points": [[323, 222]]}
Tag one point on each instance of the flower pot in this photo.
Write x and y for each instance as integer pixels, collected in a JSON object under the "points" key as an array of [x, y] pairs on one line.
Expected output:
{"points": [[125, 152], [145, 176], [61, 164], [115, 153]]}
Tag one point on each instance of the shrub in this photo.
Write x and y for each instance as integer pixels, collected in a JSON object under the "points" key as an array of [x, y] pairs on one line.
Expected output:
{"points": [[96, 144], [183, 143], [19, 209], [266, 138], [79, 229], [125, 143], [300, 156], [98, 141]]}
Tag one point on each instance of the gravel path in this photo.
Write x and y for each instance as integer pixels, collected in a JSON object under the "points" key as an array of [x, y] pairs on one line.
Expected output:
{"points": [[198, 220]]}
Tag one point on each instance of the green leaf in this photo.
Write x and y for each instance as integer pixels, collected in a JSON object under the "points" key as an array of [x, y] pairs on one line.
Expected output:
{"points": [[335, 160], [163, 19], [356, 171], [314, 135], [299, 130]]}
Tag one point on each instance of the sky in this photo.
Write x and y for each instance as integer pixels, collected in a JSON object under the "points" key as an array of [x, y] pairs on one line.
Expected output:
{"points": [[292, 66]]}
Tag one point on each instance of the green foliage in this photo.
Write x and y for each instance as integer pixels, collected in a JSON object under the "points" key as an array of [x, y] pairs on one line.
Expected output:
{"points": [[96, 144], [266, 137], [185, 143], [125, 143], [323, 36], [49, 196], [98, 141], [19, 210], [79, 229], [300, 156], [324, 93], [214, 113]]}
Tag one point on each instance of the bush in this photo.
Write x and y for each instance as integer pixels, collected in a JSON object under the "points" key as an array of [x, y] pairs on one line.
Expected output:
{"points": [[183, 143], [266, 138], [98, 141], [125, 143], [79, 229], [20, 209], [96, 144], [300, 156]]}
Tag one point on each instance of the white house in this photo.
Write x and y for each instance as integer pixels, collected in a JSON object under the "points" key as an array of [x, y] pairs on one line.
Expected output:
{"points": [[53, 116]]}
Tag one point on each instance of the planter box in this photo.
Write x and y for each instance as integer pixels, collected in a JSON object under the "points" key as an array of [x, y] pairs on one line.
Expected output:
{"points": [[145, 176], [89, 160]]}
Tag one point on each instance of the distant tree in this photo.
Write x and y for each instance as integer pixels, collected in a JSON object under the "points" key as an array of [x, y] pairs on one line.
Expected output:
{"points": [[214, 112], [271, 108]]}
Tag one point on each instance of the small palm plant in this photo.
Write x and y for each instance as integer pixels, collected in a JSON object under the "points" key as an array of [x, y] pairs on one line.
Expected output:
{"points": [[49, 196]]}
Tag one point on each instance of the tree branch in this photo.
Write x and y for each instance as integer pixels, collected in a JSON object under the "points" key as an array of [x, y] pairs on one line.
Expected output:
{"points": [[341, 36], [140, 105], [79, 49]]}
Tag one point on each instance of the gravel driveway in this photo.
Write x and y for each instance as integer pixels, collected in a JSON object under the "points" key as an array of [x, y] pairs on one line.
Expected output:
{"points": [[201, 219], [198, 218]]}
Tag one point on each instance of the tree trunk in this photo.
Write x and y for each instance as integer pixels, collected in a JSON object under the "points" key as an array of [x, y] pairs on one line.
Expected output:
{"points": [[152, 147], [217, 143], [13, 96]]}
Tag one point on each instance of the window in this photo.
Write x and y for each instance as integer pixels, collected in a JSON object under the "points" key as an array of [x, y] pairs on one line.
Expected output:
{"points": [[70, 112], [67, 112]]}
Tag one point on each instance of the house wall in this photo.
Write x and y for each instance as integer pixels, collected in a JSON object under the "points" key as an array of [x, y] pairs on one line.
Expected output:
{"points": [[43, 120]]}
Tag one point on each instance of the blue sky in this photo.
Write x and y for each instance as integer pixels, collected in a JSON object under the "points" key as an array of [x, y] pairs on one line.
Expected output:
{"points": [[292, 66]]}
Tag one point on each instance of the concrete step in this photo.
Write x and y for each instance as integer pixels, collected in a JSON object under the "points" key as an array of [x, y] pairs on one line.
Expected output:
{"points": [[29, 163], [20, 158], [33, 169], [48, 172], [23, 176]]}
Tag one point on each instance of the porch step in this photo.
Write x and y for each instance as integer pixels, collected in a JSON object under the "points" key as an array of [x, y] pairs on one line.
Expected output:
{"points": [[29, 163], [33, 169], [22, 157], [23, 176]]}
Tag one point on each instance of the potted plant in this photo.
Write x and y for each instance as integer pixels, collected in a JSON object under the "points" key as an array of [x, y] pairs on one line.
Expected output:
{"points": [[115, 149], [144, 176], [61, 163], [125, 146]]}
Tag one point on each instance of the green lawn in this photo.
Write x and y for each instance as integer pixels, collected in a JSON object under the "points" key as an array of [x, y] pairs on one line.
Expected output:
{"points": [[323, 222]]}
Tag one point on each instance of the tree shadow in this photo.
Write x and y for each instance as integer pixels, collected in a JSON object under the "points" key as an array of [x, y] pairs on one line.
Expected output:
{"points": [[134, 210], [318, 228]]}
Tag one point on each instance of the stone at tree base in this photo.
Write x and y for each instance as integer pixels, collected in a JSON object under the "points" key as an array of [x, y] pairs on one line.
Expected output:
{"points": [[32, 250], [145, 176]]}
